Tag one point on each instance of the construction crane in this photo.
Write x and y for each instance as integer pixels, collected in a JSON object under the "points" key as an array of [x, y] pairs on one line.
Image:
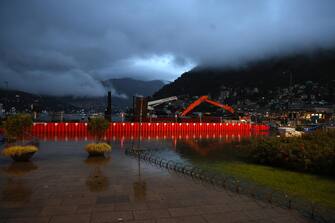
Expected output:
{"points": [[205, 99], [153, 104]]}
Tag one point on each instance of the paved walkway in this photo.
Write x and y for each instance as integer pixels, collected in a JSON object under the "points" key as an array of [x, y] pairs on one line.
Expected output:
{"points": [[61, 185]]}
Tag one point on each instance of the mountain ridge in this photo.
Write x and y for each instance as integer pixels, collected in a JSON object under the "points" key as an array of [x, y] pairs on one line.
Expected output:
{"points": [[122, 92], [265, 75]]}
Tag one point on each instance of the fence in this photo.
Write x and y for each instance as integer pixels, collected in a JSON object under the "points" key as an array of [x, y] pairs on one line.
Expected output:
{"points": [[220, 181]]}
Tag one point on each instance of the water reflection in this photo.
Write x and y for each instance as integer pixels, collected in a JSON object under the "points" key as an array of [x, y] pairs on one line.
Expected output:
{"points": [[123, 137], [20, 168], [140, 190], [207, 147], [212, 149], [16, 189], [97, 161], [139, 186], [97, 181]]}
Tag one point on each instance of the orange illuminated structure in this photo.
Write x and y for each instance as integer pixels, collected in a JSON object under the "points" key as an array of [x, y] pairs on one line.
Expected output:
{"points": [[205, 99], [129, 130]]}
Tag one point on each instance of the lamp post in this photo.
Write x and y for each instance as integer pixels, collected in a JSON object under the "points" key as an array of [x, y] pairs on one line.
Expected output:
{"points": [[140, 122], [140, 186]]}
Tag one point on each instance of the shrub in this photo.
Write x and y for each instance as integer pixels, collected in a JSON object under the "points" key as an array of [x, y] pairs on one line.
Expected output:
{"points": [[16, 125], [97, 127], [98, 148], [18, 150], [313, 152]]}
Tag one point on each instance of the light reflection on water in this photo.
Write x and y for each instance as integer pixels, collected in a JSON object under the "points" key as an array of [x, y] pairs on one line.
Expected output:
{"points": [[174, 147], [97, 181], [62, 165], [206, 149], [178, 147], [186, 150], [16, 188]]}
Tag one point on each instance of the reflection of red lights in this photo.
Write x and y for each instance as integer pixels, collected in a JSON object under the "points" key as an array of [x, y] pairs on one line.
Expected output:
{"points": [[205, 147]]}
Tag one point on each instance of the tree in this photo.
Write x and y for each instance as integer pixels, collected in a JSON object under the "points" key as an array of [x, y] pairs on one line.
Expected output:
{"points": [[97, 127], [17, 125]]}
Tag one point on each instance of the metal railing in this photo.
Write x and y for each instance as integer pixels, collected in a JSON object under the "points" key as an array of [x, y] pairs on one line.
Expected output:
{"points": [[218, 181]]}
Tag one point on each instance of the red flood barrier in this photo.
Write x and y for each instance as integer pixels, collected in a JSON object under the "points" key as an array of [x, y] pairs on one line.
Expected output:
{"points": [[148, 130]]}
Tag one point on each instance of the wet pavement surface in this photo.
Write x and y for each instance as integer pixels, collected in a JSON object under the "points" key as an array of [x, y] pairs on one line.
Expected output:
{"points": [[61, 184]]}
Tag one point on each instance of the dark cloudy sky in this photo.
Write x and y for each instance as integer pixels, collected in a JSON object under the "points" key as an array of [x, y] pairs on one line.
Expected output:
{"points": [[65, 47]]}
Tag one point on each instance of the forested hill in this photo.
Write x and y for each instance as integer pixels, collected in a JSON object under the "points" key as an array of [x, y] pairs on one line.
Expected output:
{"points": [[318, 67]]}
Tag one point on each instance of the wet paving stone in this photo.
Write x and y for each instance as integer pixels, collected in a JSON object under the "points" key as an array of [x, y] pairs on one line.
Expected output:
{"points": [[118, 216], [61, 210], [112, 199], [130, 206], [71, 219], [151, 214], [29, 220], [19, 212], [61, 189]]}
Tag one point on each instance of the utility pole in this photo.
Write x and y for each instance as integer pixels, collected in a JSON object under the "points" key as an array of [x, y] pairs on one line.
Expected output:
{"points": [[140, 122]]}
